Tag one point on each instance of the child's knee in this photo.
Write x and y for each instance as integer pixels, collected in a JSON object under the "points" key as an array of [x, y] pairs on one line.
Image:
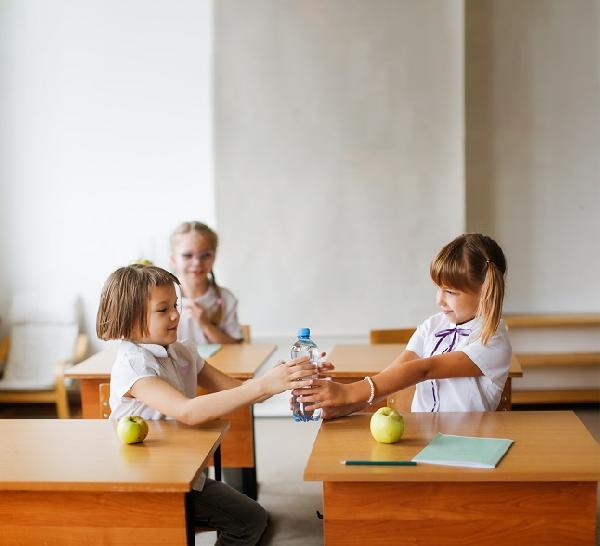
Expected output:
{"points": [[257, 523]]}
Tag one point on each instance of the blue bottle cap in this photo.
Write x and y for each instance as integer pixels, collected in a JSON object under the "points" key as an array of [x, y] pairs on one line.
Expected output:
{"points": [[303, 332]]}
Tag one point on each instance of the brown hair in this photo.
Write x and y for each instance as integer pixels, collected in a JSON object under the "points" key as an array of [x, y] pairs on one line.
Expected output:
{"points": [[124, 300], [469, 263], [213, 241]]}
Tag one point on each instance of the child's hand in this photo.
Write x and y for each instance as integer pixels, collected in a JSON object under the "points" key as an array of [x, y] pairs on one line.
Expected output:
{"points": [[324, 367], [339, 411], [288, 375], [196, 312], [323, 393]]}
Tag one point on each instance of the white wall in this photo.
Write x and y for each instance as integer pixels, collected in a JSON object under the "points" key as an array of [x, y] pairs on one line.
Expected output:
{"points": [[533, 146], [339, 158], [106, 144], [106, 137]]}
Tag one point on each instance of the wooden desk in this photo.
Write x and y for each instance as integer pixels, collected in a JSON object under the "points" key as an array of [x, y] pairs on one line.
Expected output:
{"points": [[354, 362], [66, 482], [237, 360], [542, 492]]}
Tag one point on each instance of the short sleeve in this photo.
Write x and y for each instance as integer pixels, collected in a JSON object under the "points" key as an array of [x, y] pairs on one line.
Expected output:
{"points": [[493, 359], [129, 369], [416, 343]]}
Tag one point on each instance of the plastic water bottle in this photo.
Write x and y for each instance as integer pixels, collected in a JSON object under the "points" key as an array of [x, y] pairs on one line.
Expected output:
{"points": [[304, 346]]}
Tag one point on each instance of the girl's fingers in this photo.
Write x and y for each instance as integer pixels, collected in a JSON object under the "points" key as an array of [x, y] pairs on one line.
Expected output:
{"points": [[299, 360], [300, 384]]}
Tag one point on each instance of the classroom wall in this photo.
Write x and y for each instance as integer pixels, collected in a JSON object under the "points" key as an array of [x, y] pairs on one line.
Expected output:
{"points": [[533, 141], [105, 140], [356, 106], [338, 158]]}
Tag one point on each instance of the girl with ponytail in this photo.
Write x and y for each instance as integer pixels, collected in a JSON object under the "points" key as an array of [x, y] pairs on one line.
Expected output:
{"points": [[208, 311], [459, 358]]}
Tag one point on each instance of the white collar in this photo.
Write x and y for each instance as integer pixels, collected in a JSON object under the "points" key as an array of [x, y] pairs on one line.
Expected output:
{"points": [[153, 348], [469, 324]]}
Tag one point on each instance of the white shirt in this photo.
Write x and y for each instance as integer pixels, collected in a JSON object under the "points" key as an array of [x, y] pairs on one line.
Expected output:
{"points": [[188, 330], [438, 335], [179, 366]]}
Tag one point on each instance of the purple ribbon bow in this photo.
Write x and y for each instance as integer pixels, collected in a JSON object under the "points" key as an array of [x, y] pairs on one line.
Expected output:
{"points": [[443, 334]]}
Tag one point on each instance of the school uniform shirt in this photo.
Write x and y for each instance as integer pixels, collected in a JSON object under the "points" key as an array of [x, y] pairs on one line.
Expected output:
{"points": [[188, 330], [438, 335], [178, 365]]}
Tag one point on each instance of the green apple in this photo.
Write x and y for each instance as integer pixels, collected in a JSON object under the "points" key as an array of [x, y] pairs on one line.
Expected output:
{"points": [[142, 261], [387, 425], [132, 429]]}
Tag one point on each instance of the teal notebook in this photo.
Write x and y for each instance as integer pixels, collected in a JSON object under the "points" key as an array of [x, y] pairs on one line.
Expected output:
{"points": [[468, 451], [208, 349]]}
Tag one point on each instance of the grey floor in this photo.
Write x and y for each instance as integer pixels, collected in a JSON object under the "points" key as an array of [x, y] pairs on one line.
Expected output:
{"points": [[282, 448]]}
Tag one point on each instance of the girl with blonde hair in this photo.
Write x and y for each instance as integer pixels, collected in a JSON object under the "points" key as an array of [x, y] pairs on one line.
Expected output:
{"points": [[459, 358], [209, 311]]}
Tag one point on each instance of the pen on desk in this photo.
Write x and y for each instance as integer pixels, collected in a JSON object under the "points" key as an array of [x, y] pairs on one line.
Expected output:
{"points": [[379, 463]]}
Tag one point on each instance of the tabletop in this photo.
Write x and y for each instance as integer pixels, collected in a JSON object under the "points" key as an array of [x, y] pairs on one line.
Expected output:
{"points": [[87, 455], [240, 360], [548, 446]]}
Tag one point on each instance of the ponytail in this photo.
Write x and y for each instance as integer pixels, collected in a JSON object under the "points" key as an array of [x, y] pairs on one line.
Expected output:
{"points": [[490, 302], [216, 317]]}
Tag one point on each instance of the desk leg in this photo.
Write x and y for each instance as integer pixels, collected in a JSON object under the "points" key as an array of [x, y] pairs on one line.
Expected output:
{"points": [[249, 481], [90, 398], [238, 451], [217, 463]]}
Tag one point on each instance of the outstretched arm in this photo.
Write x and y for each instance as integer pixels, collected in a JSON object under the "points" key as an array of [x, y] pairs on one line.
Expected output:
{"points": [[160, 395], [404, 372]]}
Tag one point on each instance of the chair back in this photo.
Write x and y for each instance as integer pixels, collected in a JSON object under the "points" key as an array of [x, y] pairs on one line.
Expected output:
{"points": [[44, 331], [104, 397], [395, 335], [246, 333]]}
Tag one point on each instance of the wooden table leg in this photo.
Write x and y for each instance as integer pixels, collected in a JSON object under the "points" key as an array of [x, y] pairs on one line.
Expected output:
{"points": [[90, 398]]}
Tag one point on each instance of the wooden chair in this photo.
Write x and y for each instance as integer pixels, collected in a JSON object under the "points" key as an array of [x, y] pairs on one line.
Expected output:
{"points": [[246, 338], [44, 340], [103, 400], [396, 335]]}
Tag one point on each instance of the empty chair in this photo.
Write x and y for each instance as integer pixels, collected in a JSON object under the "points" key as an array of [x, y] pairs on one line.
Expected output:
{"points": [[44, 339], [104, 399], [395, 335]]}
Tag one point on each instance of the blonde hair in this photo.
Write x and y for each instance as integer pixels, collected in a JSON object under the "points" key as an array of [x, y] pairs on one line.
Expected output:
{"points": [[124, 300], [469, 263], [215, 317]]}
